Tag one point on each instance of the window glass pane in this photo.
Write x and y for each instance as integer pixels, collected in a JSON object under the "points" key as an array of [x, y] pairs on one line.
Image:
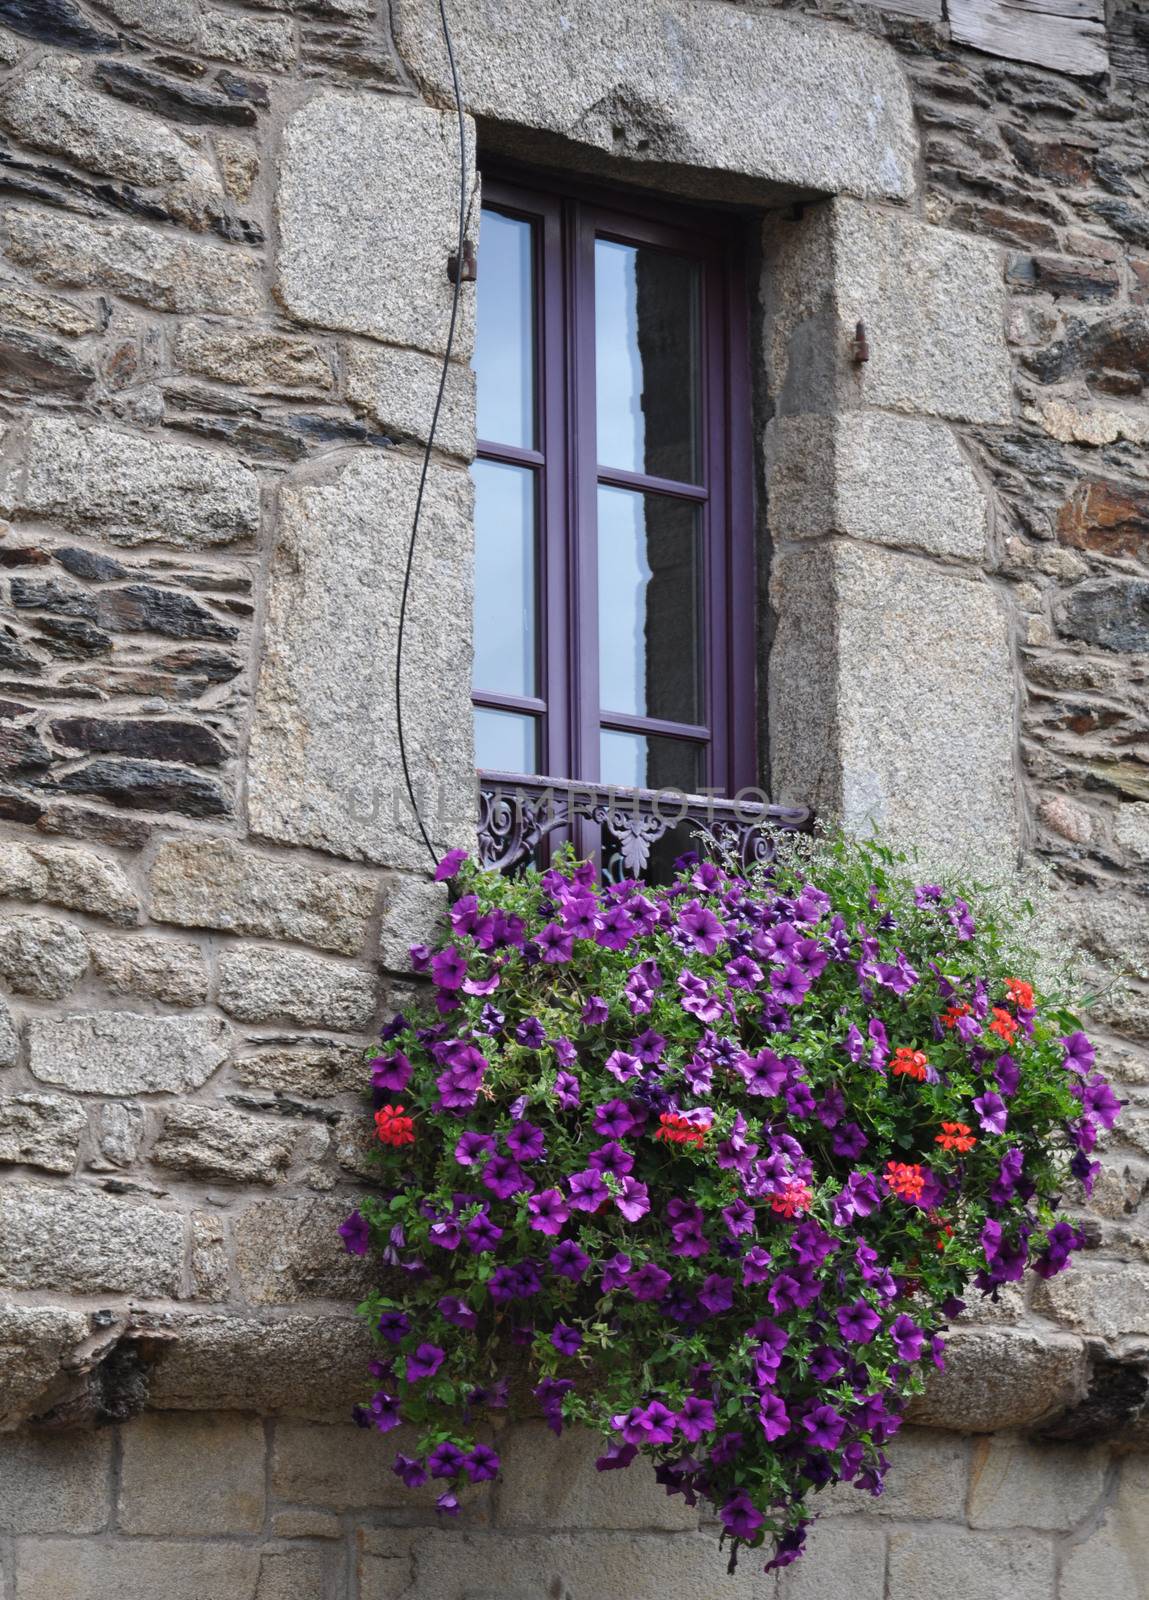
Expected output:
{"points": [[504, 359], [648, 761], [646, 360], [505, 741], [649, 605], [505, 591]]}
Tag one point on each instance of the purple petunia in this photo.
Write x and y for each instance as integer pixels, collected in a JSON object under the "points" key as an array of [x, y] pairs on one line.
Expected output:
{"points": [[384, 1411], [548, 1212], [555, 944], [858, 1322], [648, 1282], [566, 1340], [739, 1516], [504, 1177], [424, 1362], [394, 1326], [411, 1469], [613, 1119], [1079, 1053], [716, 1294], [622, 1065], [991, 1111], [702, 928], [526, 1142], [908, 1338], [825, 1426], [449, 865], [773, 1417], [587, 1190], [530, 1032], [392, 1073], [612, 1158], [756, 1265], [448, 968], [457, 1312], [481, 1464], [472, 1146], [567, 1090], [569, 1260], [445, 1460], [632, 1199], [355, 1232], [481, 1233], [695, 1417]]}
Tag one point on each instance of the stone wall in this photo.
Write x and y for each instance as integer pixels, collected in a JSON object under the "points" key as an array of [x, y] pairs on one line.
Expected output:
{"points": [[230, 1506], [223, 301]]}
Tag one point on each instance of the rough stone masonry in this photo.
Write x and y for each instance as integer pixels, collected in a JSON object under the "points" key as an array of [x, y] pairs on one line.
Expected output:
{"points": [[223, 303]]}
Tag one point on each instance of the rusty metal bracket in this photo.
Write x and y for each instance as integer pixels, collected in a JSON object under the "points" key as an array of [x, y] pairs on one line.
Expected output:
{"points": [[470, 265]]}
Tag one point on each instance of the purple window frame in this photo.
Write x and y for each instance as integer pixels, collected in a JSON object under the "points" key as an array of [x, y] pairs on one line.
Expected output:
{"points": [[566, 224]]}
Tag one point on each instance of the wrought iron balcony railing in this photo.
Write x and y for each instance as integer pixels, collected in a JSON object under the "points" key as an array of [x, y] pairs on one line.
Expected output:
{"points": [[518, 814]]}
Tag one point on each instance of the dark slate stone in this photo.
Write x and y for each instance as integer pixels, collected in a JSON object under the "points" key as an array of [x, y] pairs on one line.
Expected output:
{"points": [[148, 786], [55, 22], [39, 180], [182, 66], [1125, 220], [189, 742], [277, 436], [18, 808], [1112, 175], [88, 564], [1110, 612], [22, 750], [1117, 1394], [249, 91], [31, 594], [1113, 354], [1060, 162], [14, 657], [215, 665], [140, 608], [101, 827], [993, 191], [176, 102], [71, 639], [1079, 280], [49, 691], [31, 363], [23, 555]]}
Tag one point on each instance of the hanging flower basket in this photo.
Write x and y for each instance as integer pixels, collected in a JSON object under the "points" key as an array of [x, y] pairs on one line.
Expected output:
{"points": [[718, 1161]]}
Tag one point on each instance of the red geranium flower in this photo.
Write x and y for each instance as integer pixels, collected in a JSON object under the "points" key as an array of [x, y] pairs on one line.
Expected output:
{"points": [[1020, 992], [394, 1128], [910, 1063], [955, 1136], [905, 1178], [1003, 1025], [676, 1129]]}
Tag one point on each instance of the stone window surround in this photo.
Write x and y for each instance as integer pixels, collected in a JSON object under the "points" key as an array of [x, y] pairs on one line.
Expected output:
{"points": [[890, 693]]}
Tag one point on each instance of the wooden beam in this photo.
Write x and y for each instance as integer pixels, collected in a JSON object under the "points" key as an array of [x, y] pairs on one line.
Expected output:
{"points": [[1067, 35], [929, 10]]}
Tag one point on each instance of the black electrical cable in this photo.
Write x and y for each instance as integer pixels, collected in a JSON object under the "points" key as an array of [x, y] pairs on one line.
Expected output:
{"points": [[464, 212]]}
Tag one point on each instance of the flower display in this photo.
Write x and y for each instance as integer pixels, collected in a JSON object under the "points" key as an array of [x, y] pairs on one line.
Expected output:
{"points": [[716, 1161]]}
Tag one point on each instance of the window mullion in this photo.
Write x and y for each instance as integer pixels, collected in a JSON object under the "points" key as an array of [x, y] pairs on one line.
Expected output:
{"points": [[584, 477]]}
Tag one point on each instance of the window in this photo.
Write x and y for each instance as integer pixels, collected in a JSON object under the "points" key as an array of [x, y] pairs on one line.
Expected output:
{"points": [[614, 568]]}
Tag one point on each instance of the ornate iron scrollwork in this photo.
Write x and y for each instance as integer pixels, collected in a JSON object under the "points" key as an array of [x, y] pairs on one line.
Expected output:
{"points": [[516, 814]]}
